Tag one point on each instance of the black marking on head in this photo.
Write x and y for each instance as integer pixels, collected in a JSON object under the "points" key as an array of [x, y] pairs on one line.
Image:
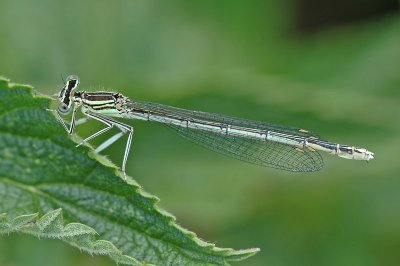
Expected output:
{"points": [[72, 83], [65, 94]]}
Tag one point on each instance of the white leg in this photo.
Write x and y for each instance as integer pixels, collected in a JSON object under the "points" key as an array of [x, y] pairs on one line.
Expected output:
{"points": [[110, 123], [73, 119], [108, 142], [59, 118], [109, 126]]}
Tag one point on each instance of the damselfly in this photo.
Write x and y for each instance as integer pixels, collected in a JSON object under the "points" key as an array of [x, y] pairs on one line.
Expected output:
{"points": [[265, 144]]}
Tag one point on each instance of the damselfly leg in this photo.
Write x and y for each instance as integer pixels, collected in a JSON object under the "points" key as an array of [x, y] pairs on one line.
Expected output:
{"points": [[110, 123]]}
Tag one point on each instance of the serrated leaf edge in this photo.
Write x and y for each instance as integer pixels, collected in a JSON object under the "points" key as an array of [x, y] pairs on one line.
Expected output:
{"points": [[50, 225]]}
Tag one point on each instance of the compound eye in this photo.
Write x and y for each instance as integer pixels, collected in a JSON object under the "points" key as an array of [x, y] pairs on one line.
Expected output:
{"points": [[63, 109]]}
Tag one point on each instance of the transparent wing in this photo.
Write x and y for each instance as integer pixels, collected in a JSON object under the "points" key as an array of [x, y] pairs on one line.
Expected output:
{"points": [[269, 154]]}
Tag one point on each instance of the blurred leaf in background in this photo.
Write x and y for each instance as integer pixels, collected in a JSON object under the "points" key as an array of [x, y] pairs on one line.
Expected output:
{"points": [[250, 59]]}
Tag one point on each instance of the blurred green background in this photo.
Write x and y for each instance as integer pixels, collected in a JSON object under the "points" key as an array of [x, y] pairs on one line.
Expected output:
{"points": [[285, 62]]}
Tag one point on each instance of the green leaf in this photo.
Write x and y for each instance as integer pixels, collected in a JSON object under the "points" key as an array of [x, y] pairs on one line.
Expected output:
{"points": [[42, 172], [51, 225]]}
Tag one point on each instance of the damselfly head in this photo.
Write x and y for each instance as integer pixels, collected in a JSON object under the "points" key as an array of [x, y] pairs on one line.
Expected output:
{"points": [[70, 84], [65, 94]]}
